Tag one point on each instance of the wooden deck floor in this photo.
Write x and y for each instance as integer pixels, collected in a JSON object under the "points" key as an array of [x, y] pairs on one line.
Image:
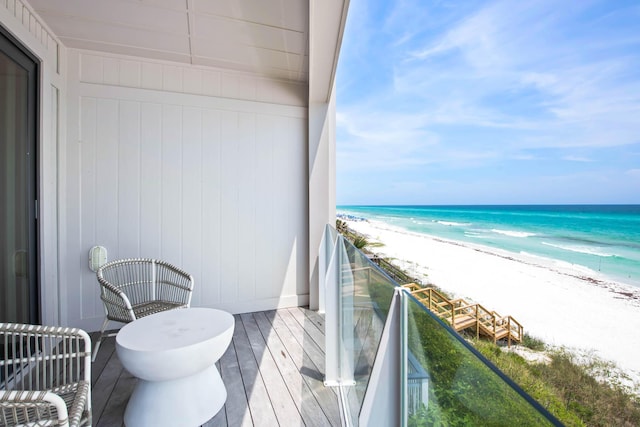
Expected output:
{"points": [[273, 371]]}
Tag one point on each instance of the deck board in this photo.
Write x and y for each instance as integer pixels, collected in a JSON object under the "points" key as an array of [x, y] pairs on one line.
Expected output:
{"points": [[237, 406], [285, 357], [285, 409], [273, 372], [299, 355], [313, 349]]}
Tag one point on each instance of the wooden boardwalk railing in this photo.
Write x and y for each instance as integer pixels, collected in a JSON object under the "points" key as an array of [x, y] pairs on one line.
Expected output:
{"points": [[462, 315]]}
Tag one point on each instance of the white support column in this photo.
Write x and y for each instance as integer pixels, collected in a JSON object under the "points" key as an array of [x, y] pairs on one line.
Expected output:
{"points": [[327, 20], [322, 188]]}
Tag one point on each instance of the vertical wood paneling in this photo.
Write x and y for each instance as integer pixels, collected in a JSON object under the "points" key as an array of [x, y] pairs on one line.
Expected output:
{"points": [[238, 86], [247, 206], [211, 212], [171, 227], [211, 83], [229, 169], [151, 76], [284, 210], [172, 78], [110, 71], [192, 80], [150, 222], [106, 186], [191, 203], [91, 68], [130, 73], [264, 201], [129, 186], [88, 197], [50, 237]]}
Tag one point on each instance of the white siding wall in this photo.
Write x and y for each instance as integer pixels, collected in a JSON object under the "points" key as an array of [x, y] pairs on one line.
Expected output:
{"points": [[203, 168]]}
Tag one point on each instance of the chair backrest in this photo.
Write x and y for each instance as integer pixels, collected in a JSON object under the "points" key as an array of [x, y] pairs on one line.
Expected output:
{"points": [[134, 277], [143, 280]]}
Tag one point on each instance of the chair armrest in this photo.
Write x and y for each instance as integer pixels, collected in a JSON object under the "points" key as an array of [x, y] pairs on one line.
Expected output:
{"points": [[173, 283], [52, 346], [16, 404], [116, 302], [174, 292]]}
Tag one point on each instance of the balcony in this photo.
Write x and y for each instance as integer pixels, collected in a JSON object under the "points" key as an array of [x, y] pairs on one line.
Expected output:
{"points": [[377, 357], [273, 372]]}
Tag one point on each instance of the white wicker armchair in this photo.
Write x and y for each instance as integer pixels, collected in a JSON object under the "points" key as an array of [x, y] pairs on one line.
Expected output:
{"points": [[45, 376], [134, 288]]}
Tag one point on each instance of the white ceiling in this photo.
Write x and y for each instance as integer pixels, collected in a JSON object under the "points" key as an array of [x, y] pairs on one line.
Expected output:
{"points": [[267, 37]]}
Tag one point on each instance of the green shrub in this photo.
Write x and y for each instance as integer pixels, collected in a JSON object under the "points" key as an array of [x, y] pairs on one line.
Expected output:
{"points": [[533, 343], [360, 241]]}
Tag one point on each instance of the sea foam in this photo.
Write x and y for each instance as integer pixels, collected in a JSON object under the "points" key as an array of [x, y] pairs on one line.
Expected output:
{"points": [[513, 233], [589, 250], [453, 223]]}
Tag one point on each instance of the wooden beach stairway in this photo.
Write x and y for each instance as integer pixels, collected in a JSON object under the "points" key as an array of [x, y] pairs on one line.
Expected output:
{"points": [[463, 315]]}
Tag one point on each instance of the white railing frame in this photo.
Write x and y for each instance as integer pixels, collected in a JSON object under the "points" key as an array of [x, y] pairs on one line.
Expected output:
{"points": [[327, 247], [385, 400], [339, 312]]}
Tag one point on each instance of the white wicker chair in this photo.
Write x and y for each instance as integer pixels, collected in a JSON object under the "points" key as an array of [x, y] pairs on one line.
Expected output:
{"points": [[134, 288], [45, 376]]}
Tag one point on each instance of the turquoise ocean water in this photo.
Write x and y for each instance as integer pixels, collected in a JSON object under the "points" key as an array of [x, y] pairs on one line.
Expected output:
{"points": [[603, 238]]}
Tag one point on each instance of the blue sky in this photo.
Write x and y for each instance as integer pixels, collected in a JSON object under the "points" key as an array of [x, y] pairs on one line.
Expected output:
{"points": [[489, 102]]}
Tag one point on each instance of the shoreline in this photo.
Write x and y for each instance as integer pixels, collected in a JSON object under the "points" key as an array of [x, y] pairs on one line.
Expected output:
{"points": [[564, 304], [630, 292]]}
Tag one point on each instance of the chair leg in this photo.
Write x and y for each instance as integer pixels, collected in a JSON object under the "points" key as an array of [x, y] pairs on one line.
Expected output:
{"points": [[95, 350]]}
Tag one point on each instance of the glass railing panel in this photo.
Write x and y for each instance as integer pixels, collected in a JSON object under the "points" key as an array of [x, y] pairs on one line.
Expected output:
{"points": [[366, 293], [325, 254], [450, 384]]}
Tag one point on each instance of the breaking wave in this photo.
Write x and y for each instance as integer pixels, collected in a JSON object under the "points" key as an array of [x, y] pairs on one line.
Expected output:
{"points": [[589, 250], [513, 233]]}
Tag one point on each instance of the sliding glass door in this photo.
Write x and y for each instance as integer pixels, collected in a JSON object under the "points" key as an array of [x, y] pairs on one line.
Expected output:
{"points": [[18, 180]]}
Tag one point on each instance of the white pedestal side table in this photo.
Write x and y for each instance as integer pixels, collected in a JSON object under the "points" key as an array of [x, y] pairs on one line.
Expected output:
{"points": [[173, 354]]}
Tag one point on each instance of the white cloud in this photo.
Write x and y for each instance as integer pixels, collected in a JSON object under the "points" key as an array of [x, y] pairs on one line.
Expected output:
{"points": [[577, 159]]}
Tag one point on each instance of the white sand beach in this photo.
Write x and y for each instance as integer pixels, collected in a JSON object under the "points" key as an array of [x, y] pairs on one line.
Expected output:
{"points": [[563, 304]]}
